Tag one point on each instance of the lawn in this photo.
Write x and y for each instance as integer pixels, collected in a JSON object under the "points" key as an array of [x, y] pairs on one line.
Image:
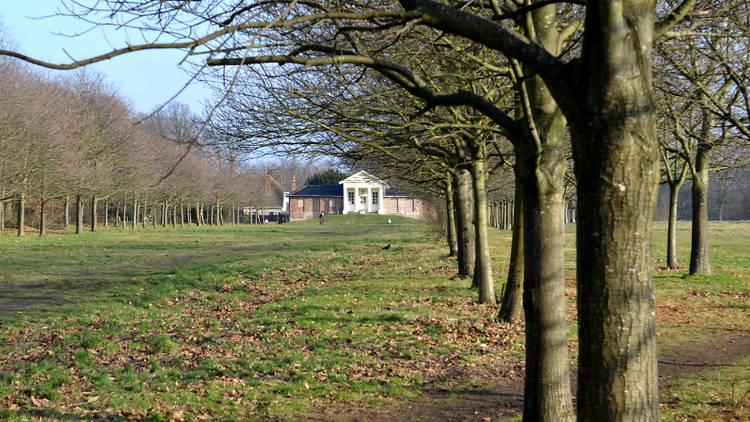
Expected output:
{"points": [[302, 321]]}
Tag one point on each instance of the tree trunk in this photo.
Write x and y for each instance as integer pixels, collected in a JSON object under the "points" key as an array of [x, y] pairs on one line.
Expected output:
{"points": [[483, 264], [144, 215], [66, 221], [699, 259], [182, 215], [79, 213], [511, 308], [465, 224], [93, 213], [106, 213], [135, 212], [21, 213], [42, 217], [450, 216], [615, 148], [174, 216], [674, 191], [547, 394]]}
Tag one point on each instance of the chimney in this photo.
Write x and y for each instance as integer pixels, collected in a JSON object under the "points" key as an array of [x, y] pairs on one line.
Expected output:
{"points": [[267, 180], [294, 183]]}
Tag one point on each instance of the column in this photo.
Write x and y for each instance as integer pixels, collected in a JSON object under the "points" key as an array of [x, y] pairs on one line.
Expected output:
{"points": [[356, 199], [368, 202], [381, 204]]}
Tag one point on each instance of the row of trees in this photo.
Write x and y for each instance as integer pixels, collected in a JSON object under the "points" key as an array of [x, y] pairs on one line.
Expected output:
{"points": [[75, 146], [447, 92]]}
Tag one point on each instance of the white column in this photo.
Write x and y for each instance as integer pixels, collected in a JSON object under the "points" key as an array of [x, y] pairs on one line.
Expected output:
{"points": [[381, 204], [368, 202], [356, 199]]}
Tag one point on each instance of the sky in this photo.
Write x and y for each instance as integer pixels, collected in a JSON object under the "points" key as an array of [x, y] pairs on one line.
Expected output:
{"points": [[146, 78]]}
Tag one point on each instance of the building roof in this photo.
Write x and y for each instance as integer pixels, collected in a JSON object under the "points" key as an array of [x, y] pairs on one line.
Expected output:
{"points": [[319, 190], [337, 191], [362, 177]]}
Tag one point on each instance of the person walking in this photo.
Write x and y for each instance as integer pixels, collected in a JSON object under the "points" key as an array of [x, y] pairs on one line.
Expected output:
{"points": [[322, 217]]}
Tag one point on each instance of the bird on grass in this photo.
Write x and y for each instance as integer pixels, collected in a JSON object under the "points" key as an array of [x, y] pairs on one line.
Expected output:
{"points": [[385, 248]]}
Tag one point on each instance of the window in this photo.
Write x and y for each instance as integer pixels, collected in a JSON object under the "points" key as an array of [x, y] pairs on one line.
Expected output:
{"points": [[375, 198], [351, 197]]}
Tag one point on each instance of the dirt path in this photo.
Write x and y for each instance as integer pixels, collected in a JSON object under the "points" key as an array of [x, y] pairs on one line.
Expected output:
{"points": [[443, 400]]}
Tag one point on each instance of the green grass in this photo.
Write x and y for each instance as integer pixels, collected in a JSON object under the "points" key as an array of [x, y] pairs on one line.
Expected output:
{"points": [[282, 321]]}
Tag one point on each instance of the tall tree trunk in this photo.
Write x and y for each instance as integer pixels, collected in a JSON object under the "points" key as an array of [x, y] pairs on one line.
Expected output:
{"points": [[547, 395], [511, 308], [42, 217], [66, 203], [182, 215], [79, 213], [699, 259], [483, 262], [135, 212], [450, 216], [106, 213], [2, 211], [174, 216], [144, 215], [674, 191], [93, 213], [465, 224], [124, 213], [21, 213], [615, 148]]}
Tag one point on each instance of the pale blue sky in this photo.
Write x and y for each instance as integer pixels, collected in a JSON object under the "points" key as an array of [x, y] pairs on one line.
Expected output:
{"points": [[146, 78]]}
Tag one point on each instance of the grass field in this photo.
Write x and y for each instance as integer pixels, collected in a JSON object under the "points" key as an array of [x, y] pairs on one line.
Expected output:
{"points": [[302, 321]]}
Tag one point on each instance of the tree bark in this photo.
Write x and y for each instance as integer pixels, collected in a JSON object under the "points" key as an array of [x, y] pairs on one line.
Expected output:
{"points": [[106, 213], [699, 259], [93, 213], [450, 216], [674, 191], [174, 216], [144, 214], [182, 215], [511, 308], [615, 149], [465, 224], [21, 213], [135, 212], [483, 262], [79, 213], [66, 221], [42, 218]]}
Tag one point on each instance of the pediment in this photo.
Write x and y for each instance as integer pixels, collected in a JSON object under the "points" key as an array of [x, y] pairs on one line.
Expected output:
{"points": [[362, 178]]}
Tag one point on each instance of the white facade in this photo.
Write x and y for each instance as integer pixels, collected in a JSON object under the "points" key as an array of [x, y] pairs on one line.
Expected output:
{"points": [[363, 194]]}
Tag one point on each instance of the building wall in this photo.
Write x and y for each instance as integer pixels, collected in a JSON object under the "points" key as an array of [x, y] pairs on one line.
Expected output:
{"points": [[303, 208], [408, 207]]}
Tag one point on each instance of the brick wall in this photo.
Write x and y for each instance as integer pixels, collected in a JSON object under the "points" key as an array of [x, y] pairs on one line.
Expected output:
{"points": [[408, 207], [310, 207]]}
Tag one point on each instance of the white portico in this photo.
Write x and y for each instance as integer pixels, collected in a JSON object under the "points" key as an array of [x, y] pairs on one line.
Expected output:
{"points": [[363, 193]]}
